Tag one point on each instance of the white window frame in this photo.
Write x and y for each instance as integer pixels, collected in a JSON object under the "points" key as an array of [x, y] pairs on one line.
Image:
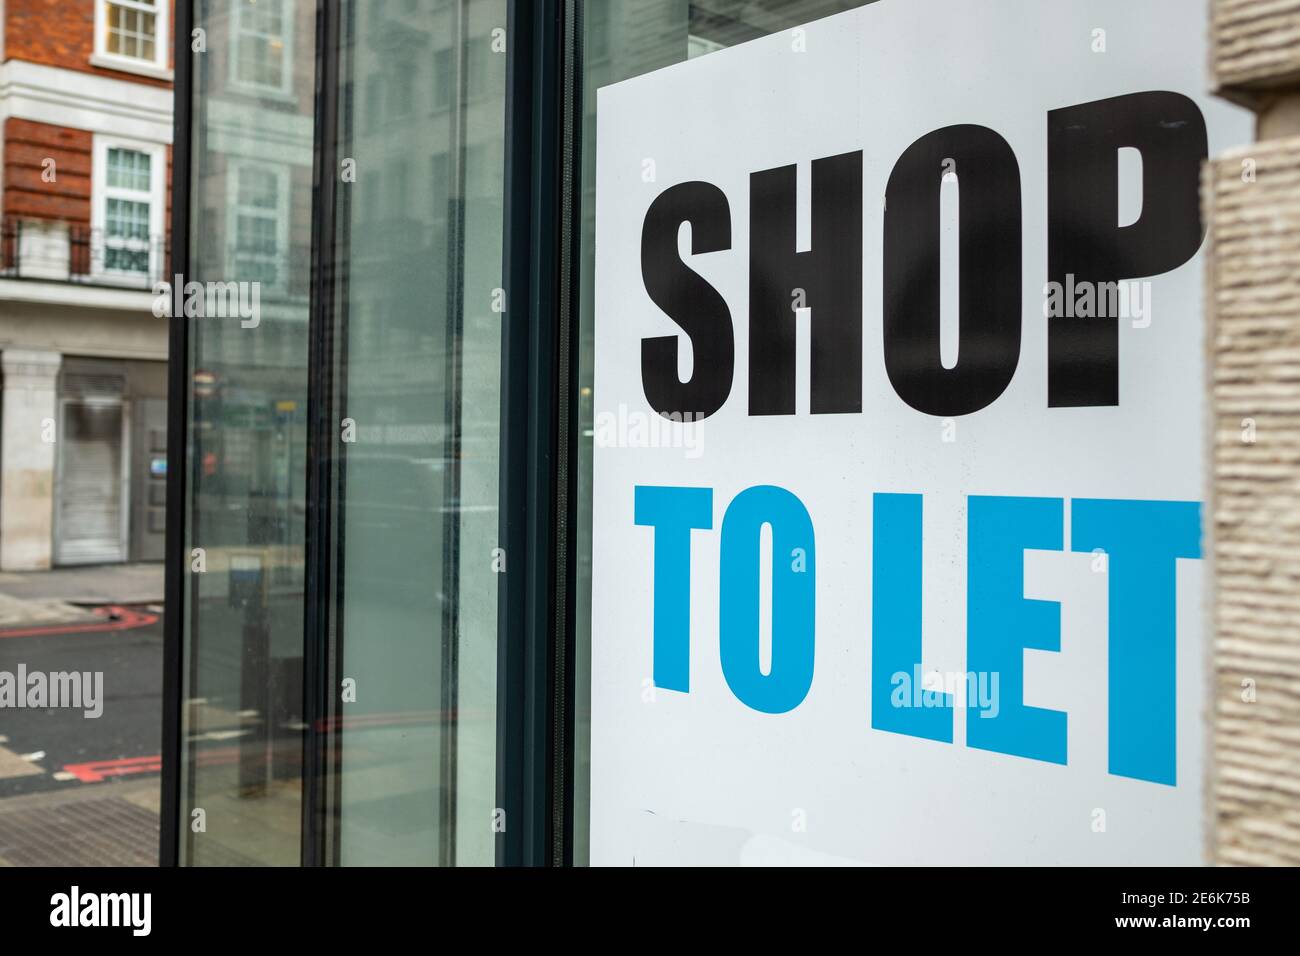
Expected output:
{"points": [[101, 193], [285, 89], [234, 170], [162, 41]]}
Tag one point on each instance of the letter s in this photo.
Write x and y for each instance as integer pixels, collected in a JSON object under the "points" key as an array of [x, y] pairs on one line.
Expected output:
{"points": [[688, 300]]}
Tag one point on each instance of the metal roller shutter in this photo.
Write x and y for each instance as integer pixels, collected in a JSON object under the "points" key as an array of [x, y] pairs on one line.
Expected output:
{"points": [[90, 500]]}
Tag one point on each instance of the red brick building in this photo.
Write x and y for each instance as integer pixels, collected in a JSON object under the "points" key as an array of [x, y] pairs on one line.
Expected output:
{"points": [[85, 176]]}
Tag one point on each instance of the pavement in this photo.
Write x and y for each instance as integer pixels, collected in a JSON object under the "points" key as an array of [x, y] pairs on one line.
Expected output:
{"points": [[89, 584], [107, 825], [62, 590], [28, 612], [78, 790]]}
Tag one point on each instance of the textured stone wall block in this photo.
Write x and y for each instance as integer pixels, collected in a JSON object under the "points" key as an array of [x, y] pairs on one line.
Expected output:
{"points": [[1252, 207]]}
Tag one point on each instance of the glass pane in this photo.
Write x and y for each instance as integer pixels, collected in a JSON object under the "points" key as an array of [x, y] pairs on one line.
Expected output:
{"points": [[115, 29], [442, 79], [128, 169], [260, 45], [273, 64], [131, 31], [257, 187], [243, 631], [625, 38], [126, 236], [247, 53], [126, 220], [418, 328]]}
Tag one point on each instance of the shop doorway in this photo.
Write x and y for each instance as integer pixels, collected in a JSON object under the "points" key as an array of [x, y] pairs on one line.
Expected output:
{"points": [[90, 485]]}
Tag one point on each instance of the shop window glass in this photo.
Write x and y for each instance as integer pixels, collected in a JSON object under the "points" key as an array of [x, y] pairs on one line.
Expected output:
{"points": [[245, 508], [418, 253], [622, 39]]}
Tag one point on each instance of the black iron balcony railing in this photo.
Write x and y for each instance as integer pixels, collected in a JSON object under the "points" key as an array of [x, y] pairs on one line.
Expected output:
{"points": [[56, 251]]}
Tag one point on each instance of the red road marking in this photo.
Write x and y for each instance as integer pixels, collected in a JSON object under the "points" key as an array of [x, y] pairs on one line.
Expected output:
{"points": [[96, 771], [117, 618]]}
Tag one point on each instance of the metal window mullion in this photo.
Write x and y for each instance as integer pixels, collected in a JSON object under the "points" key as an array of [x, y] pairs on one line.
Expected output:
{"points": [[566, 471], [317, 847], [449, 695], [526, 623], [178, 373]]}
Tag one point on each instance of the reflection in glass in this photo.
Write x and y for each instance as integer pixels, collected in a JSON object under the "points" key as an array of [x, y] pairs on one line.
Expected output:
{"points": [[417, 332], [243, 629]]}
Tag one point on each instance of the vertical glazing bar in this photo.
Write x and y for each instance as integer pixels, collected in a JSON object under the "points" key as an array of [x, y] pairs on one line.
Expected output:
{"points": [[450, 673], [317, 683], [566, 436], [178, 373], [514, 371], [526, 642]]}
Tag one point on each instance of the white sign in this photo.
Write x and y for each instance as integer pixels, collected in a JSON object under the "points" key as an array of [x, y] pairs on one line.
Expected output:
{"points": [[900, 442]]}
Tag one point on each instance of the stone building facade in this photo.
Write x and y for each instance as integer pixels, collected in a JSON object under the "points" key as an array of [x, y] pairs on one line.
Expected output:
{"points": [[1252, 204]]}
